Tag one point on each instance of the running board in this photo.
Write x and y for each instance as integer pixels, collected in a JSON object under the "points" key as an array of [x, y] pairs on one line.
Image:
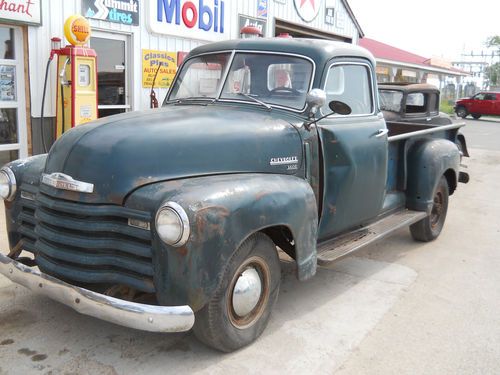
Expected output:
{"points": [[353, 241]]}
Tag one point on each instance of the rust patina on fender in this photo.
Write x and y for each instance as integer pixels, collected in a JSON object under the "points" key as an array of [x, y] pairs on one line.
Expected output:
{"points": [[223, 211], [428, 161]]}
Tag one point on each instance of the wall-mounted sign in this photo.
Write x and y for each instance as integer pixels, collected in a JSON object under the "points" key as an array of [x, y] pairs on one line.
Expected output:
{"points": [[262, 8], [77, 30], [202, 19], [244, 21], [307, 9], [340, 22], [161, 62], [7, 83], [21, 11], [119, 11], [329, 15]]}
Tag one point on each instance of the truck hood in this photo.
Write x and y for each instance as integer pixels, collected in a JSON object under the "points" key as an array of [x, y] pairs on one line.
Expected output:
{"points": [[121, 153]]}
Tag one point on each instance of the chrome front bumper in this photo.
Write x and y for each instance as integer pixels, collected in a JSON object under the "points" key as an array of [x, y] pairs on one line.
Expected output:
{"points": [[129, 314]]}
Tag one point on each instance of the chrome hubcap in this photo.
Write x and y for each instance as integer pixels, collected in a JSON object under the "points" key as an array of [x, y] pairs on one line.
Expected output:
{"points": [[247, 292]]}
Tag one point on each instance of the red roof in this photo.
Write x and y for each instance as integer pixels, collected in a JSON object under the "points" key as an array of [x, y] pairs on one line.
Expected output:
{"points": [[384, 51]]}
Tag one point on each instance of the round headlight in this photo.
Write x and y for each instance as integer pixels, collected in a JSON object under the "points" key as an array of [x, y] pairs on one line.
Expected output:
{"points": [[7, 184], [172, 224]]}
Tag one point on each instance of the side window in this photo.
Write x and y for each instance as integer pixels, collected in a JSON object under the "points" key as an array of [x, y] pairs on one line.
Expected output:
{"points": [[489, 97], [433, 103], [350, 84], [416, 103], [479, 96]]}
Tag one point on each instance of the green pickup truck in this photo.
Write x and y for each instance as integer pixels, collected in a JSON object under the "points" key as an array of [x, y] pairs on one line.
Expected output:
{"points": [[170, 219]]}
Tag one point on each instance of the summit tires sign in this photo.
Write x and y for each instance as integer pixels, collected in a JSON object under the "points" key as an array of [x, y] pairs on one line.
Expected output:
{"points": [[194, 19], [125, 12]]}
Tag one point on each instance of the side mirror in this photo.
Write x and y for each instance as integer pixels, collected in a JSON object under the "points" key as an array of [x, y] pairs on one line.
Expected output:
{"points": [[339, 107], [315, 99], [336, 106]]}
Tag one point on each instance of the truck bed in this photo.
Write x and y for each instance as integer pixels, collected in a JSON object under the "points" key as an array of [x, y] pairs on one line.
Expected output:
{"points": [[402, 130], [401, 137]]}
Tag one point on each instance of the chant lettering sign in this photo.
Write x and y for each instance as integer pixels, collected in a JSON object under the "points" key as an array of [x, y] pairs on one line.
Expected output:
{"points": [[21, 11]]}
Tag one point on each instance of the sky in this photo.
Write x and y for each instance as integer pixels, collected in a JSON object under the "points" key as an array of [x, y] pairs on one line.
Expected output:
{"points": [[430, 28]]}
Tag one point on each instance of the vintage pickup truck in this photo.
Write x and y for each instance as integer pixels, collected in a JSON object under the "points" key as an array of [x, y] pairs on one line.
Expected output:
{"points": [[170, 219], [411, 103]]}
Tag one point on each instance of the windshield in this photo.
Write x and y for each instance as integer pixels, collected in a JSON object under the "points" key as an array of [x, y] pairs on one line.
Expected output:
{"points": [[263, 79], [390, 100], [201, 77]]}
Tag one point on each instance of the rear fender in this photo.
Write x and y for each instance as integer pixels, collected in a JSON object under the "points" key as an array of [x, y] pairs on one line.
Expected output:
{"points": [[463, 144], [223, 211], [428, 160]]}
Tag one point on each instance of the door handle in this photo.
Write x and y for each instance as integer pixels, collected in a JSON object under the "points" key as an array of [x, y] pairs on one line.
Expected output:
{"points": [[381, 133]]}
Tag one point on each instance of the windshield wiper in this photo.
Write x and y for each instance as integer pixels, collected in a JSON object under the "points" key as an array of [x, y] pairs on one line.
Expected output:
{"points": [[191, 100], [248, 96]]}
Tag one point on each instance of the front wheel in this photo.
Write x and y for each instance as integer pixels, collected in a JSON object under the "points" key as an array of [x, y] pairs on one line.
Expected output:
{"points": [[476, 116], [461, 112], [241, 307], [429, 228]]}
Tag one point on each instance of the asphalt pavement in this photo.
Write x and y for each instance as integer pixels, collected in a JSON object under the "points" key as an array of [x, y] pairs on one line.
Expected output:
{"points": [[483, 133], [398, 307]]}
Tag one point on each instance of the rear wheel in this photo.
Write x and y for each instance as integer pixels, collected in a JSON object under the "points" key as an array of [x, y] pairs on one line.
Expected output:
{"points": [[429, 228], [475, 116], [241, 307], [461, 112]]}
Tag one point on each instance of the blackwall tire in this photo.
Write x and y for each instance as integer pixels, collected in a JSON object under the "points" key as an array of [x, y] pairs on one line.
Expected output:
{"points": [[429, 228], [475, 116], [461, 112], [226, 323]]}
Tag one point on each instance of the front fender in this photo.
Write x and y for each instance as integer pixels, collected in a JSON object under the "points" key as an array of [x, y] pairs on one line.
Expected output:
{"points": [[428, 160], [27, 172], [223, 211]]}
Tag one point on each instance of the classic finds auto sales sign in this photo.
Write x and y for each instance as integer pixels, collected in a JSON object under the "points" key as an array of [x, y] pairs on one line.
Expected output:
{"points": [[161, 64]]}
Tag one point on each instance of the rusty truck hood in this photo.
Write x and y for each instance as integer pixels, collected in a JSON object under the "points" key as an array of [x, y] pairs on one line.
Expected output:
{"points": [[121, 153]]}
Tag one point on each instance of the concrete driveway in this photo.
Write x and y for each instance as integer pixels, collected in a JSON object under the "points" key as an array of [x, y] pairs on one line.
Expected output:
{"points": [[398, 307]]}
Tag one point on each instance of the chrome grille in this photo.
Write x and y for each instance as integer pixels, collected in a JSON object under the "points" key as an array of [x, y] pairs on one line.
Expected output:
{"points": [[87, 243]]}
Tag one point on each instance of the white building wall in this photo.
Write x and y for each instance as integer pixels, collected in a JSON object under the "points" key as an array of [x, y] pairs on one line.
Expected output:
{"points": [[55, 12]]}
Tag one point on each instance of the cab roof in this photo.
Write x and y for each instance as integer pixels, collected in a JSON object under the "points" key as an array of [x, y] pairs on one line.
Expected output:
{"points": [[407, 87], [319, 50]]}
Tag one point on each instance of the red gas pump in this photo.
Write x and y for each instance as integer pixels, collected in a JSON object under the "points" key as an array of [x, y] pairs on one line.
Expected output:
{"points": [[77, 78]]}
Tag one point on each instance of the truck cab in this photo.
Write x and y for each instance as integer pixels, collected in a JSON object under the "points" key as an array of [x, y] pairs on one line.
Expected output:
{"points": [[171, 219], [412, 102]]}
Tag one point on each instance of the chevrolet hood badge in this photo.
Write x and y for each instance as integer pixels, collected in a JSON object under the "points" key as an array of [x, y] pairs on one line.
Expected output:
{"points": [[65, 182]]}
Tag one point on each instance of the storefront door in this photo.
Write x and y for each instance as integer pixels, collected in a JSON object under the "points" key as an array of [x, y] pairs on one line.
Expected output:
{"points": [[13, 129], [112, 72]]}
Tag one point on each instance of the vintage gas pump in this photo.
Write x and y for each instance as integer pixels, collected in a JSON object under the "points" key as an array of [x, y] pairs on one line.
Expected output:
{"points": [[76, 78]]}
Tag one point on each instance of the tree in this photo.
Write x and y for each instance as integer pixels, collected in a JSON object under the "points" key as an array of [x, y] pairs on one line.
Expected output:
{"points": [[493, 41], [492, 72]]}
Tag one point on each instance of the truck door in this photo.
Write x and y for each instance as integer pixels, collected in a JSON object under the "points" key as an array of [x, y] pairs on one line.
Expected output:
{"points": [[354, 149], [489, 104], [478, 104]]}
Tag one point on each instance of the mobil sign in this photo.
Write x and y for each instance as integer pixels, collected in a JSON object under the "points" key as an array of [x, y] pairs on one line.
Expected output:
{"points": [[195, 19]]}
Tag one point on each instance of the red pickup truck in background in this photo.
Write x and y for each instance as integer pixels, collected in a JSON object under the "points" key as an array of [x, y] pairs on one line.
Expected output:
{"points": [[483, 103]]}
